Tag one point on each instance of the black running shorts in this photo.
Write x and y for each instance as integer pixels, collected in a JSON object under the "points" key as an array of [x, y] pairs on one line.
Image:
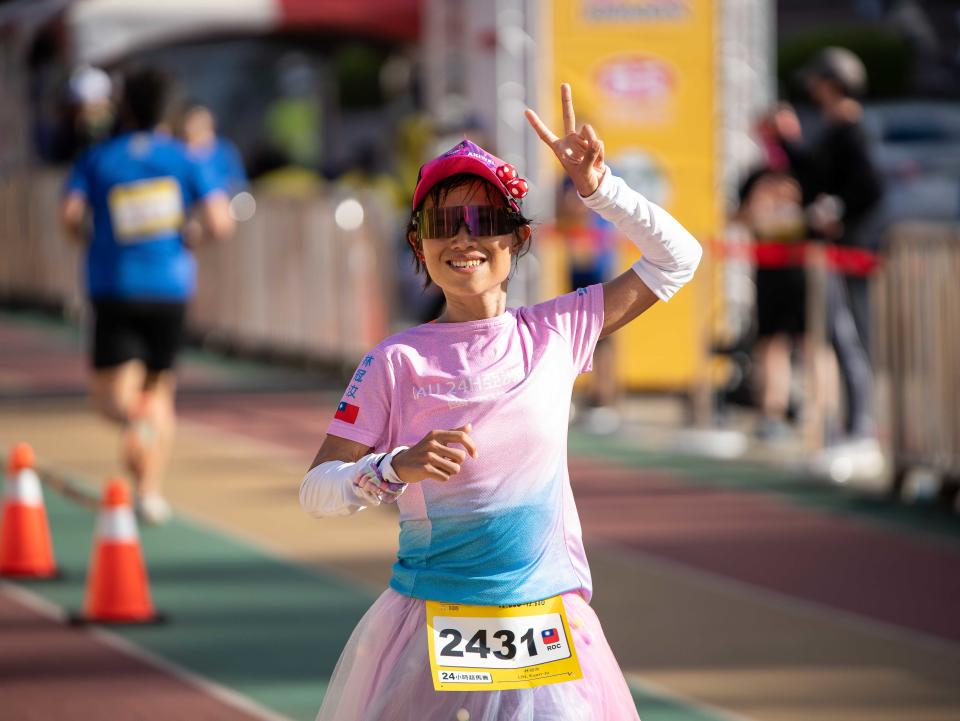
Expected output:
{"points": [[781, 301], [146, 330]]}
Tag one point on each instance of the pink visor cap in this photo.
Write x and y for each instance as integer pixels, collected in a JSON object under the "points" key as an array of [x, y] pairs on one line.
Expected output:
{"points": [[467, 157]]}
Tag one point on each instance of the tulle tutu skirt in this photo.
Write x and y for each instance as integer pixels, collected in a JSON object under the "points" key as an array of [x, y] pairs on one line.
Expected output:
{"points": [[384, 675]]}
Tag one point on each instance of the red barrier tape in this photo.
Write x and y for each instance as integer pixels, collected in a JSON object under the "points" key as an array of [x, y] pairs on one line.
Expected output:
{"points": [[841, 258], [844, 259]]}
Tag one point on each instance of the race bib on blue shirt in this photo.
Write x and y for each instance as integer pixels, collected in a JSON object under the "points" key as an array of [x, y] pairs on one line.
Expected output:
{"points": [[144, 209]]}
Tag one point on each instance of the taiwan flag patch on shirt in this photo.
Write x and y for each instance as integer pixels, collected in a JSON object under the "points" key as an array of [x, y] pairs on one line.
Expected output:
{"points": [[550, 635], [347, 412]]}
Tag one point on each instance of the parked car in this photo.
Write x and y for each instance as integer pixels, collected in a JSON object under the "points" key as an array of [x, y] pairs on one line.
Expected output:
{"points": [[918, 151]]}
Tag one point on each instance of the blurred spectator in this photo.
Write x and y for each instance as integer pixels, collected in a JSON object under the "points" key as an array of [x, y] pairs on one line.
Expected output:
{"points": [[293, 122], [198, 130], [369, 172], [140, 274], [414, 141], [415, 137], [838, 164], [843, 192], [772, 211], [591, 242], [87, 115], [273, 173]]}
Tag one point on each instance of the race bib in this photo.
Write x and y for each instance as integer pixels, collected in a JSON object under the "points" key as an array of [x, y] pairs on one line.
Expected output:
{"points": [[493, 648], [145, 208]]}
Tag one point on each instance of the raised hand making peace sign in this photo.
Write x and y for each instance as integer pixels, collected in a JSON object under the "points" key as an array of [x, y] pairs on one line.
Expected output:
{"points": [[581, 154]]}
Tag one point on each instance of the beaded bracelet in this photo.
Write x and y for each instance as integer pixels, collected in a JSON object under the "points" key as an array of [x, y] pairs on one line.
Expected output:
{"points": [[372, 485]]}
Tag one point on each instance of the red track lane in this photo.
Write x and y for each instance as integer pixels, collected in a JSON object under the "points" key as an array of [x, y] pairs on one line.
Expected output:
{"points": [[763, 539], [92, 680], [32, 359]]}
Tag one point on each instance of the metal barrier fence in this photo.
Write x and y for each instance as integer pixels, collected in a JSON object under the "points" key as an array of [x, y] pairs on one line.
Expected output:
{"points": [[38, 263], [915, 333], [291, 280], [918, 359]]}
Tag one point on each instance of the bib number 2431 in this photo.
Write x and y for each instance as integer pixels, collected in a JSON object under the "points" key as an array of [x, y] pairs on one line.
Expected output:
{"points": [[500, 647]]}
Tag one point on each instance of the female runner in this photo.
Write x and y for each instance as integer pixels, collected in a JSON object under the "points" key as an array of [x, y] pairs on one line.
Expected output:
{"points": [[463, 423]]}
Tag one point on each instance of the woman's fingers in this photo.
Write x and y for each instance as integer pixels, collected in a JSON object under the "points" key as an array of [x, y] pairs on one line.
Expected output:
{"points": [[546, 135], [434, 474], [594, 145], [442, 464], [458, 435], [435, 456], [573, 148], [454, 454], [566, 103]]}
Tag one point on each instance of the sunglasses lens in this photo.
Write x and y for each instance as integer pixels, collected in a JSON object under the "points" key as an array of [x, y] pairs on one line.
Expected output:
{"points": [[480, 220]]}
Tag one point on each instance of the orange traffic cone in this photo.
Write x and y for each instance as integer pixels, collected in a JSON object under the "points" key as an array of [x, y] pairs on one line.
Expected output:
{"points": [[25, 547], [117, 586]]}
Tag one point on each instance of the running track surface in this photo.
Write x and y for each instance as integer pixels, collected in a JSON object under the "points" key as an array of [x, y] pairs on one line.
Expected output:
{"points": [[832, 553], [47, 672]]}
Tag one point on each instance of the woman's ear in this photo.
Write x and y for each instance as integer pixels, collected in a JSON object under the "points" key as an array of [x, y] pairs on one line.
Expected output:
{"points": [[412, 241], [521, 236]]}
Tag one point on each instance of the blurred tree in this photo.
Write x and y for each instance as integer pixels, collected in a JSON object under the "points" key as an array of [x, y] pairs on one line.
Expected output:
{"points": [[357, 70], [887, 56]]}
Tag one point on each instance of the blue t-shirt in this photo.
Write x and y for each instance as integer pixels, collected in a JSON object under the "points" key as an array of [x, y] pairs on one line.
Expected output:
{"points": [[140, 186], [223, 160]]}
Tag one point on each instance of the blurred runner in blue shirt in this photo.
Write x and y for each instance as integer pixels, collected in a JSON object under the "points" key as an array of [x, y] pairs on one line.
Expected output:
{"points": [[139, 189], [592, 255], [198, 128]]}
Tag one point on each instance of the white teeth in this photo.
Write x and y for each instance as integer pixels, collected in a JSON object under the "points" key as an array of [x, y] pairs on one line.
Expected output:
{"points": [[465, 263]]}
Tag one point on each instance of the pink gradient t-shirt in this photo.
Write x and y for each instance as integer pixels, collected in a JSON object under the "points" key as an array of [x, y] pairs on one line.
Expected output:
{"points": [[505, 529]]}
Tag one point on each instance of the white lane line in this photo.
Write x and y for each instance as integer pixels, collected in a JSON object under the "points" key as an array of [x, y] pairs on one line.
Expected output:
{"points": [[82, 491], [231, 698], [655, 689]]}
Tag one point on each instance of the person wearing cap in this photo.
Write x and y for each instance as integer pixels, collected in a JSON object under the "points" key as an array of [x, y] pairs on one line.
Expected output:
{"points": [[138, 188], [88, 114], [843, 191], [462, 422]]}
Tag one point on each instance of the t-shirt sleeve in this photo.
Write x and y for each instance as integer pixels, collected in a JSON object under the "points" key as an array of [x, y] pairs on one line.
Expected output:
{"points": [[577, 317], [236, 173], [202, 180], [78, 181], [364, 409]]}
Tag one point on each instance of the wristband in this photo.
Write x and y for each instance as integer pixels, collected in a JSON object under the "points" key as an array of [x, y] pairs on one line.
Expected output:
{"points": [[377, 482], [386, 466]]}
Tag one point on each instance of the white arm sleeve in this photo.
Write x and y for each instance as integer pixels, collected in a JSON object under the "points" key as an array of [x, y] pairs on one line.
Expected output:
{"points": [[339, 488], [670, 253], [329, 489]]}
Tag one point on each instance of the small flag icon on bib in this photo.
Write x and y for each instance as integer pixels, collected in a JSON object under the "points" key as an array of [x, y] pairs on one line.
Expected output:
{"points": [[550, 635]]}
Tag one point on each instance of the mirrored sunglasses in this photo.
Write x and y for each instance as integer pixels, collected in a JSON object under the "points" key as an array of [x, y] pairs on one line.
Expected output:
{"points": [[481, 221]]}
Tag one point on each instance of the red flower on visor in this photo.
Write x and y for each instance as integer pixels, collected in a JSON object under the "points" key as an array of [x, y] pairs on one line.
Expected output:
{"points": [[517, 187]]}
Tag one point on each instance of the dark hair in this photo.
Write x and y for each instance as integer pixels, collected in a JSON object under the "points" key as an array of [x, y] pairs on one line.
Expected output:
{"points": [[439, 192], [146, 94]]}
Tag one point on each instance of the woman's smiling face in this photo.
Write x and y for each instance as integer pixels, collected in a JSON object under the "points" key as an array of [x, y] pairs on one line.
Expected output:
{"points": [[467, 265]]}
